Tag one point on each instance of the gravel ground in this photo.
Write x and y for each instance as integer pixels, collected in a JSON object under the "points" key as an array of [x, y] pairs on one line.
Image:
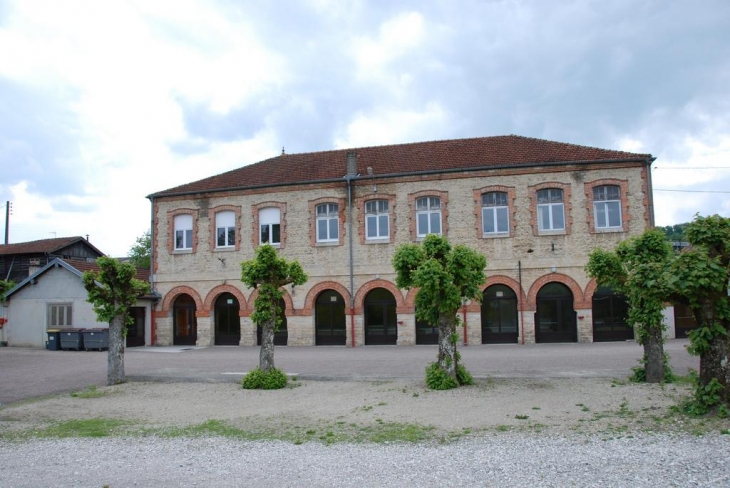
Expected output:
{"points": [[501, 432]]}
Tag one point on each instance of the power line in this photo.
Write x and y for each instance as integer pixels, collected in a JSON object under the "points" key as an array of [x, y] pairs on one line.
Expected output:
{"points": [[705, 167], [692, 191]]}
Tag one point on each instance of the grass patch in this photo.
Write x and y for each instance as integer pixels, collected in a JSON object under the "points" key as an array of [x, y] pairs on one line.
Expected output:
{"points": [[98, 427], [91, 391]]}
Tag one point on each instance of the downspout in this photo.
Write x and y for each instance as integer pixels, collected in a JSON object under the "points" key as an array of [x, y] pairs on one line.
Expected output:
{"points": [[153, 325], [650, 191], [522, 303], [351, 174]]}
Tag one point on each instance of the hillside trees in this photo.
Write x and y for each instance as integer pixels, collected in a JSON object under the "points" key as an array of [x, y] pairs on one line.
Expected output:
{"points": [[444, 276], [637, 269], [139, 254], [112, 291], [267, 273]]}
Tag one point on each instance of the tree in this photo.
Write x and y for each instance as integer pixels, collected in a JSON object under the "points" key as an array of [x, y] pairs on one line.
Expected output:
{"points": [[113, 290], [444, 276], [636, 269], [699, 278], [5, 286], [267, 273], [676, 232], [139, 254]]}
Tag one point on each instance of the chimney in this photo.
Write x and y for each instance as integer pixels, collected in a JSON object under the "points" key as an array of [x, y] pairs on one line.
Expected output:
{"points": [[351, 164]]}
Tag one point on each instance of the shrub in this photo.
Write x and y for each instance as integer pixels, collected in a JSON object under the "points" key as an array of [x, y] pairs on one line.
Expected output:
{"points": [[438, 379], [256, 379]]}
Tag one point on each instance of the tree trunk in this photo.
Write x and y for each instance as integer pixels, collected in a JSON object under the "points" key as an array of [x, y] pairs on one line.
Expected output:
{"points": [[115, 358], [266, 355], [715, 363], [654, 355], [447, 348]]}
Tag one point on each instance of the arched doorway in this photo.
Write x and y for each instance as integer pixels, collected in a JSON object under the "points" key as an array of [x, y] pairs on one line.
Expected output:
{"points": [[555, 319], [227, 321], [609, 316], [329, 319], [185, 325], [499, 315], [380, 318], [281, 336]]}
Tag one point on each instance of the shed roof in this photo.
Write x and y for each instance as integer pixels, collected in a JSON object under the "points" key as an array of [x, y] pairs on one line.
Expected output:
{"points": [[44, 246]]}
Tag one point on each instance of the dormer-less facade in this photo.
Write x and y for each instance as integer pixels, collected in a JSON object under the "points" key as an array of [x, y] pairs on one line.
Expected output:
{"points": [[534, 208]]}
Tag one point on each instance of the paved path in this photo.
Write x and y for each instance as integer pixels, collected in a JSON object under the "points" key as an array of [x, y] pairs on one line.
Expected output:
{"points": [[29, 373]]}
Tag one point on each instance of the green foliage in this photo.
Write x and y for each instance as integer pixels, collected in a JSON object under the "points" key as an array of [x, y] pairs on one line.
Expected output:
{"points": [[701, 338], [256, 379], [113, 290], [267, 272], [463, 376], [5, 286], [140, 253], [638, 374], [705, 399], [675, 232], [438, 379]]}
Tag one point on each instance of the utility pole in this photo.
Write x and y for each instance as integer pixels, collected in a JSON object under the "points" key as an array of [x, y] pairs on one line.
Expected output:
{"points": [[7, 221]]}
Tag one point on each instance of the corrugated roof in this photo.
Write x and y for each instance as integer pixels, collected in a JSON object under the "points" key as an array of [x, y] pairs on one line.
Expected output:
{"points": [[419, 157], [43, 246]]}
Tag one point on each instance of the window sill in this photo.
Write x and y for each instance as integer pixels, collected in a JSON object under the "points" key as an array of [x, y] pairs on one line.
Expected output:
{"points": [[327, 243], [225, 249], [608, 230], [382, 240], [182, 251], [496, 235], [560, 232]]}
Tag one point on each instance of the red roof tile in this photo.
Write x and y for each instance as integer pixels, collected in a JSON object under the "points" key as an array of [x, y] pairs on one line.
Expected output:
{"points": [[435, 156], [83, 266]]}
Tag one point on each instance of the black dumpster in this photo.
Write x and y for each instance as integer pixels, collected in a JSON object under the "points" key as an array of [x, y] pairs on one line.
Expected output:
{"points": [[72, 339], [54, 339], [96, 339]]}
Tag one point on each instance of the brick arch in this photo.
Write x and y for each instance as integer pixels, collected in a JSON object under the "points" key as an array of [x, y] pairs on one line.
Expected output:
{"points": [[319, 288], [171, 295], [288, 303], [575, 289], [220, 289], [400, 306], [591, 288], [411, 299], [513, 284]]}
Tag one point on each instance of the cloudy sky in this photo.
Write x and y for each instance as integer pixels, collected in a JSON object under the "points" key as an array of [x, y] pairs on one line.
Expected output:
{"points": [[105, 102]]}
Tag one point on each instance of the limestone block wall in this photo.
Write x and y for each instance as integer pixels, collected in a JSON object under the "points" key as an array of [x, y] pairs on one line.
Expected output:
{"points": [[525, 259]]}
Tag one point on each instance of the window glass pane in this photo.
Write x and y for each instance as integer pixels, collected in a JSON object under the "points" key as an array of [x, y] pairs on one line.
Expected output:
{"points": [[321, 209], [488, 220], [598, 193], [558, 219], [383, 227], [383, 206], [613, 193], [371, 207], [600, 209], [221, 236], [188, 239], [68, 315], [321, 230], [502, 219], [276, 234], [54, 315], [543, 196], [543, 217], [422, 204], [372, 226], [179, 239], [614, 214], [435, 203], [556, 195], [231, 236], [333, 225], [422, 224], [225, 219], [435, 222], [333, 208], [264, 234]]}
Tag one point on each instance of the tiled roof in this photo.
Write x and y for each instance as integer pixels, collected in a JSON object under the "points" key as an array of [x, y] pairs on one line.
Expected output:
{"points": [[83, 266], [42, 246], [419, 157]]}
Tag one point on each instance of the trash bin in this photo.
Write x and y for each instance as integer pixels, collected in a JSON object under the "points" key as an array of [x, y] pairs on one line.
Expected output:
{"points": [[72, 339], [96, 339], [54, 339]]}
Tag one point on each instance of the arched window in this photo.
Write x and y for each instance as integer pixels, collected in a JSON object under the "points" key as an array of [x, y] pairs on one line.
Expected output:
{"points": [[495, 213], [377, 219], [270, 226], [607, 207], [183, 231], [225, 227], [550, 209], [428, 216], [328, 222]]}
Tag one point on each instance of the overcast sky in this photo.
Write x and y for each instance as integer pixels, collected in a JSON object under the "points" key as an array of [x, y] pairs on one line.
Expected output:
{"points": [[105, 102]]}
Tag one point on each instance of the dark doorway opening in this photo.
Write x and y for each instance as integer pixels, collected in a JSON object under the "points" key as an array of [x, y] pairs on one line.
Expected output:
{"points": [[610, 311], [185, 324], [281, 336], [227, 320], [499, 315], [329, 319], [380, 318], [135, 331], [555, 320]]}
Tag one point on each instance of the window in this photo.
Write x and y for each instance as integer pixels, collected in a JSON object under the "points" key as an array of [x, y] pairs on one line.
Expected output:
{"points": [[495, 213], [60, 315], [607, 207], [328, 222], [377, 219], [270, 226], [428, 216], [183, 231], [225, 225], [550, 210]]}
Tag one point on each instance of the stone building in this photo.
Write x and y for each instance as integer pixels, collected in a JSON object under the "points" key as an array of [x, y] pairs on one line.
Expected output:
{"points": [[534, 208]]}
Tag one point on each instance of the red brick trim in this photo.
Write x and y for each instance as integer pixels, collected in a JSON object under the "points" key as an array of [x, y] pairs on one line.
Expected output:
{"points": [[360, 212], [155, 236], [213, 241], [511, 209], [411, 300], [400, 306], [171, 228], [323, 286], [412, 197], [576, 290], [513, 284], [567, 206], [255, 221], [591, 288], [648, 199], [213, 294], [172, 295], [625, 216], [289, 309], [313, 220]]}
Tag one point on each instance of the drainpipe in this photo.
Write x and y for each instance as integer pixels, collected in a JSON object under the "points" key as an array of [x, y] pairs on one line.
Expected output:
{"points": [[522, 303], [153, 325], [351, 174], [650, 191]]}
